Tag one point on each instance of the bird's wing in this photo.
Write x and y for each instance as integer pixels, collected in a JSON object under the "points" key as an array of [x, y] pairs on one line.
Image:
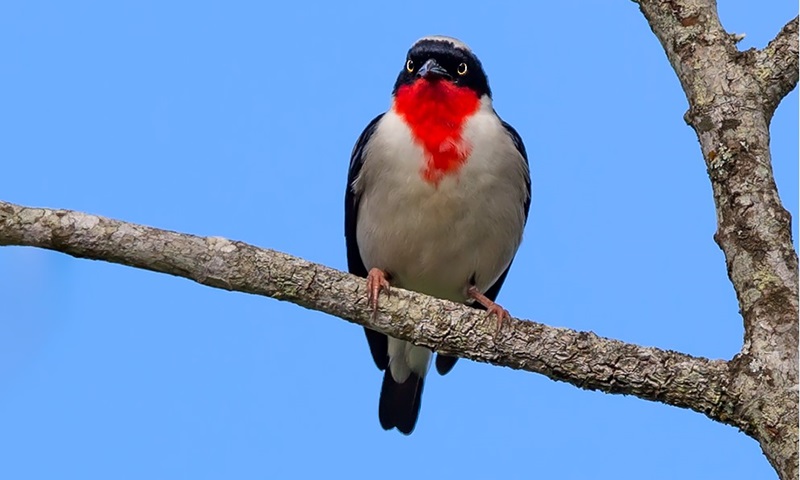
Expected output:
{"points": [[521, 149], [377, 341], [492, 292]]}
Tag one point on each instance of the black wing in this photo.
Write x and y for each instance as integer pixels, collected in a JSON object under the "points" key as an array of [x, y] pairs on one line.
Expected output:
{"points": [[521, 149], [377, 341], [495, 289], [445, 363]]}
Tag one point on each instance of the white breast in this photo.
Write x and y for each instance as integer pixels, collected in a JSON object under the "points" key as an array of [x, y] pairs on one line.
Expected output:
{"points": [[436, 238]]}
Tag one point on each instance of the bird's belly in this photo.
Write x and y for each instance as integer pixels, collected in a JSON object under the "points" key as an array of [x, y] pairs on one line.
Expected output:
{"points": [[437, 240]]}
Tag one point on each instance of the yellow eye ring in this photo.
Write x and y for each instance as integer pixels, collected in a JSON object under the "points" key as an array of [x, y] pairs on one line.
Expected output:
{"points": [[410, 65], [462, 68]]}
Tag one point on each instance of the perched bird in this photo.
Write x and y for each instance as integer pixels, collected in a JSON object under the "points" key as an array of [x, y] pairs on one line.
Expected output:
{"points": [[437, 198]]}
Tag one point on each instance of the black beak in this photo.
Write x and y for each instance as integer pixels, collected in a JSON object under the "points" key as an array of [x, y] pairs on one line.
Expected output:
{"points": [[432, 69]]}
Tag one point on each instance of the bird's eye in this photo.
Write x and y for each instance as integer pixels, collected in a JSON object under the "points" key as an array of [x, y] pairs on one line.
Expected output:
{"points": [[462, 68], [410, 65]]}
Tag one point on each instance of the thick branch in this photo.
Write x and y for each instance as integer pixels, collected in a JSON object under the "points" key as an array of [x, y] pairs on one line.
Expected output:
{"points": [[777, 66], [732, 96], [580, 358]]}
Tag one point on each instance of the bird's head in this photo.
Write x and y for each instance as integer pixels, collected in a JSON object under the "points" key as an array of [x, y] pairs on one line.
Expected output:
{"points": [[435, 59], [442, 85]]}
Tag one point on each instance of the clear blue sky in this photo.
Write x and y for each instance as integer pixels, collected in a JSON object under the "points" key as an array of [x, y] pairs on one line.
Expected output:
{"points": [[237, 120]]}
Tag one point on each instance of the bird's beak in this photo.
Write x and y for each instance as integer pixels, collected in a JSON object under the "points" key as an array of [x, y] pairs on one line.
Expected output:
{"points": [[432, 69]]}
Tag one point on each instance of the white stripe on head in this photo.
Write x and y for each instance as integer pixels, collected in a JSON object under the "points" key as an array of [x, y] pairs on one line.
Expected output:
{"points": [[442, 38]]}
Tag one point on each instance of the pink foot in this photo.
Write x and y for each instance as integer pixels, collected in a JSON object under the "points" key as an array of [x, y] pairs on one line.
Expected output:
{"points": [[377, 280], [491, 307]]}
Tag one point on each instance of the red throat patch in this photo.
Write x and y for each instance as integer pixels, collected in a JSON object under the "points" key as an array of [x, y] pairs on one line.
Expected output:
{"points": [[436, 111]]}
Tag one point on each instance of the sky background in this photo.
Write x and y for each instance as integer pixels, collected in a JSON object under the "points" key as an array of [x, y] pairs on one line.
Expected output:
{"points": [[237, 119]]}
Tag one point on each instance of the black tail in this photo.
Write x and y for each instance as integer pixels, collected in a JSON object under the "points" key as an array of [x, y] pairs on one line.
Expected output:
{"points": [[445, 363], [399, 403]]}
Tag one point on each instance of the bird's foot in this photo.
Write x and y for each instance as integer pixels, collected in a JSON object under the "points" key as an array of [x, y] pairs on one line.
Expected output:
{"points": [[377, 280], [491, 307]]}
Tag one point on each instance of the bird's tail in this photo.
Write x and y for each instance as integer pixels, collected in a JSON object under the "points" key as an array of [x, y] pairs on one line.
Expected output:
{"points": [[399, 403]]}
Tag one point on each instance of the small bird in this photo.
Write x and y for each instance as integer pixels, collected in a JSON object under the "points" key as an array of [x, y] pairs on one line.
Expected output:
{"points": [[437, 198]]}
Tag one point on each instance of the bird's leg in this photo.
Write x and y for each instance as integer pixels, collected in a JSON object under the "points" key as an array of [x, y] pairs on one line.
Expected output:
{"points": [[491, 307], [377, 280]]}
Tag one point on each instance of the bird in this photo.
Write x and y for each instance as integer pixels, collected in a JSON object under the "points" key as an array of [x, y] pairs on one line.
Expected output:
{"points": [[437, 198]]}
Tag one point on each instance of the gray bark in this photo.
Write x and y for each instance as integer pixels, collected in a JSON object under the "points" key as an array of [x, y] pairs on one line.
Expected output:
{"points": [[732, 96]]}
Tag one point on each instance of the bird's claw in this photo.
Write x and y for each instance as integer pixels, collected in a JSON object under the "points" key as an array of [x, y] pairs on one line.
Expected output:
{"points": [[500, 312], [491, 307], [376, 281]]}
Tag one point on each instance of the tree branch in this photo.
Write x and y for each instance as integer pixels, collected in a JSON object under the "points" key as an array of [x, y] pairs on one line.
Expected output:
{"points": [[580, 358], [777, 66], [732, 96]]}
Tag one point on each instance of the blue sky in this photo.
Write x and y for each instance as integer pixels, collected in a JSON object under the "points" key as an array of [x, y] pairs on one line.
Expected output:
{"points": [[237, 120]]}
